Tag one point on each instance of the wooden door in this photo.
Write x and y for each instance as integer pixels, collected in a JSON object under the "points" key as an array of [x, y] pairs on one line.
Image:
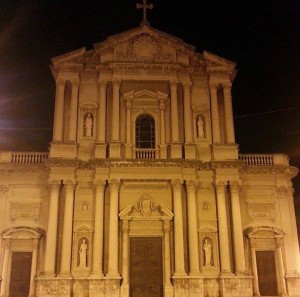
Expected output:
{"points": [[20, 274], [146, 271], [266, 270]]}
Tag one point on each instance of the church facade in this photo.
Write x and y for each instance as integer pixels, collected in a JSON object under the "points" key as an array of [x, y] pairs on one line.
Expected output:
{"points": [[143, 191]]}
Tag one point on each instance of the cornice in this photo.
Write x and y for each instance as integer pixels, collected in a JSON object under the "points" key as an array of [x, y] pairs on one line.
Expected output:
{"points": [[288, 170], [58, 162], [236, 164], [149, 163], [23, 168]]}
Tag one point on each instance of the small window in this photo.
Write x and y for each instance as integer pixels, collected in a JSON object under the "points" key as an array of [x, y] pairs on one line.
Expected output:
{"points": [[145, 132]]}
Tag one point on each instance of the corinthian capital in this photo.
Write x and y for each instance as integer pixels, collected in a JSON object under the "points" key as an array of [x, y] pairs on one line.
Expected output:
{"points": [[191, 184], [54, 184], [100, 184], [114, 184], [102, 83], [176, 184], [220, 186], [116, 83], [60, 83], [234, 186], [69, 185]]}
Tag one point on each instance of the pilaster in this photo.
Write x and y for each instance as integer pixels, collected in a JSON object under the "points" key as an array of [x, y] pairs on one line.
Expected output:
{"points": [[67, 229]]}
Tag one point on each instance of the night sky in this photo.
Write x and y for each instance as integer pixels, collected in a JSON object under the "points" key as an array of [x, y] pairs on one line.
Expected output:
{"points": [[261, 36]]}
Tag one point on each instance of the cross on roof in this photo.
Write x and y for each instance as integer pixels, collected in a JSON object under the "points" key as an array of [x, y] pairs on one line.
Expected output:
{"points": [[144, 6]]}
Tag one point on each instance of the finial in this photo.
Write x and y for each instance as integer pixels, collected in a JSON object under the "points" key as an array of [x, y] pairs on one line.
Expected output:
{"points": [[144, 6]]}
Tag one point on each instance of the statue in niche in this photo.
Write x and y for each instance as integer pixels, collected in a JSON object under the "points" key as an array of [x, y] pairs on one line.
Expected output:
{"points": [[200, 127], [207, 247], [88, 125], [83, 253]]}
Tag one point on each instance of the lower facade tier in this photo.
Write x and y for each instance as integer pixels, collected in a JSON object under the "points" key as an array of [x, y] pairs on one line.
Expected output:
{"points": [[222, 286]]}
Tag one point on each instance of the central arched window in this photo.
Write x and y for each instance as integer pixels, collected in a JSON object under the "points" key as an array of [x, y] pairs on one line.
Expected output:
{"points": [[145, 132]]}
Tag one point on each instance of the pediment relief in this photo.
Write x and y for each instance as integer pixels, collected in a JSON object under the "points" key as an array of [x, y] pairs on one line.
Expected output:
{"points": [[145, 44], [145, 209]]}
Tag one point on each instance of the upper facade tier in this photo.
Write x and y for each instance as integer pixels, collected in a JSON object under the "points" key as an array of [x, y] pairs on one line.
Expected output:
{"points": [[143, 94]]}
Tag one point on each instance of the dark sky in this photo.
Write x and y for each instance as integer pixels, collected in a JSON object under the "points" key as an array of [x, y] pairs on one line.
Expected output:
{"points": [[261, 36]]}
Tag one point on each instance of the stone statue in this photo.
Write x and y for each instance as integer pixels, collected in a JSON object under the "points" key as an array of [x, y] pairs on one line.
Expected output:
{"points": [[83, 254], [200, 127], [207, 247], [88, 125]]}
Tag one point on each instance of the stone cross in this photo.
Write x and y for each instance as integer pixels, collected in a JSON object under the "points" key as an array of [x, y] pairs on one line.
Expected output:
{"points": [[144, 6]]}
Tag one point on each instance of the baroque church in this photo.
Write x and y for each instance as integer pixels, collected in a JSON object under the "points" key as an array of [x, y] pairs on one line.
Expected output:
{"points": [[143, 191]]}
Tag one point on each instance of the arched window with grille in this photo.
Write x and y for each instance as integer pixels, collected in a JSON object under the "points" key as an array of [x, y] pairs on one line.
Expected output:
{"points": [[145, 132]]}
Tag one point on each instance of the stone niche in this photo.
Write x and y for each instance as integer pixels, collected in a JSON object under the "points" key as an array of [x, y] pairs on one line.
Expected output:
{"points": [[82, 251], [208, 244]]}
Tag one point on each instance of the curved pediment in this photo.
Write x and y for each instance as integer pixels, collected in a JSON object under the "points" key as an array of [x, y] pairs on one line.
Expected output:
{"points": [[263, 232], [22, 233]]}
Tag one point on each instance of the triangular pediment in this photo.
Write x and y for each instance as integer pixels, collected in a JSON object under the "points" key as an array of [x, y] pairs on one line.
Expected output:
{"points": [[139, 47]]}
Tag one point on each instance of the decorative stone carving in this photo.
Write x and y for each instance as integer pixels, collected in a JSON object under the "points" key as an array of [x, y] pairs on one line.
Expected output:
{"points": [[25, 210], [145, 206], [88, 125], [261, 210], [205, 206], [84, 207], [207, 247], [3, 189], [200, 127], [145, 48], [83, 248]]}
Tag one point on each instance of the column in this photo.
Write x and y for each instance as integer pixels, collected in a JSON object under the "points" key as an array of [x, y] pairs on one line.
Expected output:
{"points": [[128, 128], [113, 245], [73, 112], [178, 226], [254, 269], [215, 114], [192, 229], [281, 267], [188, 128], [101, 114], [116, 111], [163, 151], [223, 229], [228, 114], [125, 259], [66, 249], [239, 253], [33, 267], [5, 268], [59, 111], [97, 269], [50, 253], [167, 253], [174, 112]]}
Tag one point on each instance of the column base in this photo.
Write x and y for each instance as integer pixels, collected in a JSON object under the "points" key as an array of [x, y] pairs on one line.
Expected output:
{"points": [[100, 150], [176, 151], [115, 150], [67, 150], [163, 151], [235, 285], [190, 151], [124, 290], [128, 151], [223, 152]]}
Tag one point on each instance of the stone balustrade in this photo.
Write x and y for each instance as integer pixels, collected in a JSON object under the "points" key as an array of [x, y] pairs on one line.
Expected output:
{"points": [[145, 153], [264, 159], [23, 157]]}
